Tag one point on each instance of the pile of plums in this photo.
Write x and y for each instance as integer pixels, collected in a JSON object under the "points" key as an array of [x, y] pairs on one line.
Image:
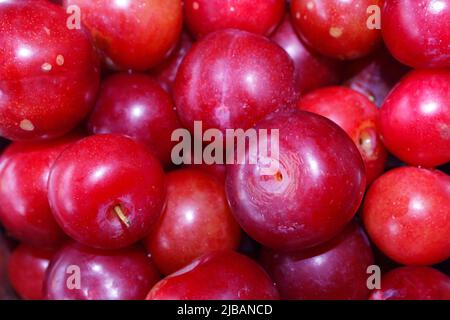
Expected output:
{"points": [[93, 206]]}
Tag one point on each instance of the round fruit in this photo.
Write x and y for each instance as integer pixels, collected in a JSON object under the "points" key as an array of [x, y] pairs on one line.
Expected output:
{"points": [[338, 28], [318, 273], [407, 215], [24, 208], [106, 191], [206, 16], [311, 70], [136, 34], [26, 270], [413, 283], [313, 193], [417, 32], [219, 171], [136, 106], [415, 118], [166, 72], [49, 74], [223, 275], [359, 117], [231, 79], [196, 220], [81, 273]]}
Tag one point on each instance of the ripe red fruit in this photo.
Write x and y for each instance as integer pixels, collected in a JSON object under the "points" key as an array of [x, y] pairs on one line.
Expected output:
{"points": [[106, 191], [375, 75], [223, 275], [315, 192], [407, 215], [26, 270], [413, 283], [136, 34], [336, 28], [311, 70], [136, 106], [206, 16], [418, 32], [49, 74], [231, 79], [196, 220], [126, 274], [219, 171], [336, 270], [24, 208], [166, 72], [354, 113], [415, 118]]}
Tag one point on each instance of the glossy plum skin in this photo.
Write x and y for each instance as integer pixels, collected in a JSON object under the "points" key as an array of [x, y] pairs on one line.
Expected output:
{"points": [[375, 75], [219, 171], [410, 205], [415, 118], [24, 208], [413, 283], [336, 28], [166, 72], [231, 79], [311, 69], [315, 192], [196, 220], [206, 16], [126, 274], [119, 192], [49, 75], [136, 34], [359, 117], [336, 270], [26, 270], [417, 32], [217, 276], [135, 105]]}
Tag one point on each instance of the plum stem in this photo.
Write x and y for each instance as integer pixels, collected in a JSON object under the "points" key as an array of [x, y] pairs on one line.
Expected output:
{"points": [[118, 210]]}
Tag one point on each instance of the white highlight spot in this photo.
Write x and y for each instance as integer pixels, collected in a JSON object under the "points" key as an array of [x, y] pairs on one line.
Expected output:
{"points": [[429, 108], [59, 60], [47, 30], [26, 125], [190, 216], [232, 9], [195, 5], [122, 3], [46, 67], [250, 80], [336, 32], [97, 268], [416, 205], [24, 52], [436, 6], [298, 15], [99, 173], [313, 166], [137, 111], [318, 261], [310, 5]]}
